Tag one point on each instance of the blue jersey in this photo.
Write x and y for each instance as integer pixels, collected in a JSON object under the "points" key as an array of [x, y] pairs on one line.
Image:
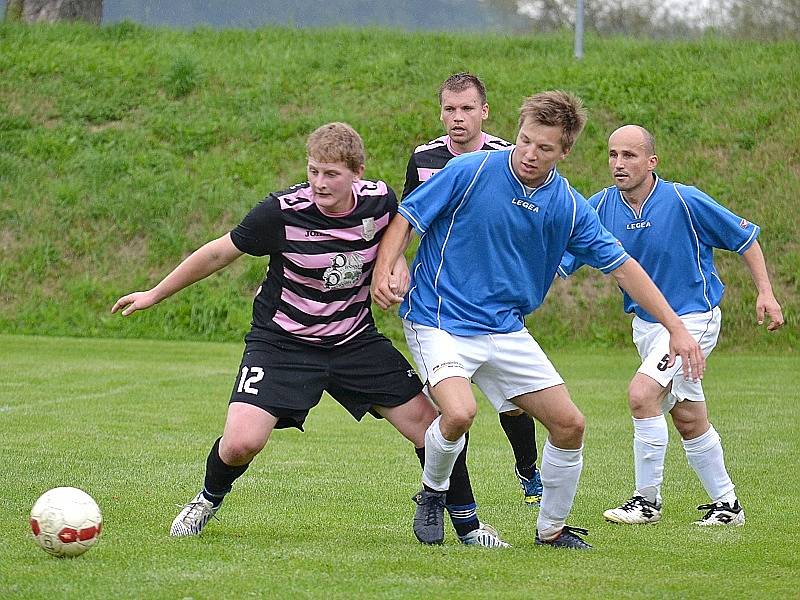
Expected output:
{"points": [[673, 237], [489, 250]]}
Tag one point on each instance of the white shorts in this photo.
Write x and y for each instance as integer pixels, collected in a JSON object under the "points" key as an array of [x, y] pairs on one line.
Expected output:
{"points": [[502, 365], [652, 342]]}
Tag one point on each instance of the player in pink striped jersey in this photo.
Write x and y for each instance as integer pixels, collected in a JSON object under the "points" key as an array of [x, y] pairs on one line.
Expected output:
{"points": [[312, 328]]}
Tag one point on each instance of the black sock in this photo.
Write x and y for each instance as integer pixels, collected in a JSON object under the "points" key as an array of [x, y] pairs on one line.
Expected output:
{"points": [[521, 432], [420, 452], [219, 476], [460, 499], [420, 456]]}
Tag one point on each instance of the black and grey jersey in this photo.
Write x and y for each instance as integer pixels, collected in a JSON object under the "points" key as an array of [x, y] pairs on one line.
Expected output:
{"points": [[431, 158]]}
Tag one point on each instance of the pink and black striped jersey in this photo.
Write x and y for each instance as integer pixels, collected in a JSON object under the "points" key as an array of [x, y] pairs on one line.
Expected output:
{"points": [[430, 158], [317, 284]]}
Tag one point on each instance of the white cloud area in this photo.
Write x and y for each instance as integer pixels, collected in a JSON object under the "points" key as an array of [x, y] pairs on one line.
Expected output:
{"points": [[695, 13]]}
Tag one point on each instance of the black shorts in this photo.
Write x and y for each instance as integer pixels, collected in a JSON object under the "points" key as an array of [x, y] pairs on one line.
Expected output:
{"points": [[286, 377]]}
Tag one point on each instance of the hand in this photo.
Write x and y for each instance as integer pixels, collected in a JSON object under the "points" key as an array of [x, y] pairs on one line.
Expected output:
{"points": [[682, 344], [135, 301], [400, 278], [766, 304], [384, 290]]}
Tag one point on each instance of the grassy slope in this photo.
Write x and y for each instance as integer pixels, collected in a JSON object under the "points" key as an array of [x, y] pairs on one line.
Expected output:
{"points": [[327, 513], [123, 148]]}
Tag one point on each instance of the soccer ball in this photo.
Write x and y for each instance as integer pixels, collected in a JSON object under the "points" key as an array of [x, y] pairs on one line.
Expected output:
{"points": [[66, 521]]}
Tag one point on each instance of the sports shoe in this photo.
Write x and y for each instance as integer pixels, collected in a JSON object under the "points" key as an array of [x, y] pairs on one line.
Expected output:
{"points": [[568, 538], [485, 536], [193, 517], [635, 511], [429, 516], [531, 488], [722, 513]]}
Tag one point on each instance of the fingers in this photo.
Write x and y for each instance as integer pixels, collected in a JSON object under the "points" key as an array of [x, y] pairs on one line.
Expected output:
{"points": [[760, 314], [687, 363], [693, 363], [380, 301], [698, 363], [129, 304], [384, 297], [776, 319], [120, 303]]}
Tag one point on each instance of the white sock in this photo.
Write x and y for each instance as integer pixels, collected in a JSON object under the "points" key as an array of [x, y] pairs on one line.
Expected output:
{"points": [[440, 456], [560, 472], [650, 437], [704, 454]]}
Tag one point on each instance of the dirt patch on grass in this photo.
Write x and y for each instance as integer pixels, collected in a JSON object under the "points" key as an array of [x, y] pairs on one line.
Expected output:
{"points": [[99, 127]]}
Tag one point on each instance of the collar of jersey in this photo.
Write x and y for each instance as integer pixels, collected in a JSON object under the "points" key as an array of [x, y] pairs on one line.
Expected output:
{"points": [[548, 180], [452, 150], [646, 200]]}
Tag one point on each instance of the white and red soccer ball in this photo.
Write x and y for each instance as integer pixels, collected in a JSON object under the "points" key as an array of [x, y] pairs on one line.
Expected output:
{"points": [[66, 521]]}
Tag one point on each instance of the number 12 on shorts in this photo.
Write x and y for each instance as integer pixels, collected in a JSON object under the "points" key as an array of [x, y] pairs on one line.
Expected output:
{"points": [[246, 383]]}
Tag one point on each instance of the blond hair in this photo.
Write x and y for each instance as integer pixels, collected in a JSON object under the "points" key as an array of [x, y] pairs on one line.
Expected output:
{"points": [[556, 109], [336, 142]]}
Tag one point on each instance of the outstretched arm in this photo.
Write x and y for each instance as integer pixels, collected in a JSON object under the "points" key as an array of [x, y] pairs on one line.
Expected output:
{"points": [[632, 278], [204, 261], [387, 288], [765, 302]]}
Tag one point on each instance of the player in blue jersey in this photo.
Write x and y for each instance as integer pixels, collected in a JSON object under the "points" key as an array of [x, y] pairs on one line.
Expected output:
{"points": [[463, 109], [494, 226], [312, 328], [672, 230]]}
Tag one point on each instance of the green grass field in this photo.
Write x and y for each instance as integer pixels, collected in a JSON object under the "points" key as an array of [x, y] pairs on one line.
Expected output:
{"points": [[327, 513]]}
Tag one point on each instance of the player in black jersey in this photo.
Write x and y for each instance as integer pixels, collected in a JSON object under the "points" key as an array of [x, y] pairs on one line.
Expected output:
{"points": [[462, 98], [312, 328]]}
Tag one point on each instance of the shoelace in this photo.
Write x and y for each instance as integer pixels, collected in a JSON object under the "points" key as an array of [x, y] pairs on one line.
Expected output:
{"points": [[714, 507], [194, 508], [634, 502], [431, 503], [578, 530]]}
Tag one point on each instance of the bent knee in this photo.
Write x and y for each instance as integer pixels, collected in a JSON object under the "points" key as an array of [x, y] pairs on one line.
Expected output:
{"points": [[689, 429], [643, 400], [461, 418], [575, 425], [240, 451], [567, 431]]}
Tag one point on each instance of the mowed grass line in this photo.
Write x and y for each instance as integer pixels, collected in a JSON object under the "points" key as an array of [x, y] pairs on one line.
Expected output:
{"points": [[327, 513]]}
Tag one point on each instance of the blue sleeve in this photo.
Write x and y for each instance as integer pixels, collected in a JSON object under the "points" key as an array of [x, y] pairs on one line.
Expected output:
{"points": [[438, 195], [714, 224], [569, 264], [591, 243]]}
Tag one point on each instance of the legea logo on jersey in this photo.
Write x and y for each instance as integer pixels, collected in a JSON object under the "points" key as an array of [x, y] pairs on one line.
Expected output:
{"points": [[638, 225], [526, 204], [344, 272]]}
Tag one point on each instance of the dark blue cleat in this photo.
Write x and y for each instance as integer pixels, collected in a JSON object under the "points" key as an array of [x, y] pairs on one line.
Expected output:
{"points": [[429, 516], [531, 488], [568, 538]]}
